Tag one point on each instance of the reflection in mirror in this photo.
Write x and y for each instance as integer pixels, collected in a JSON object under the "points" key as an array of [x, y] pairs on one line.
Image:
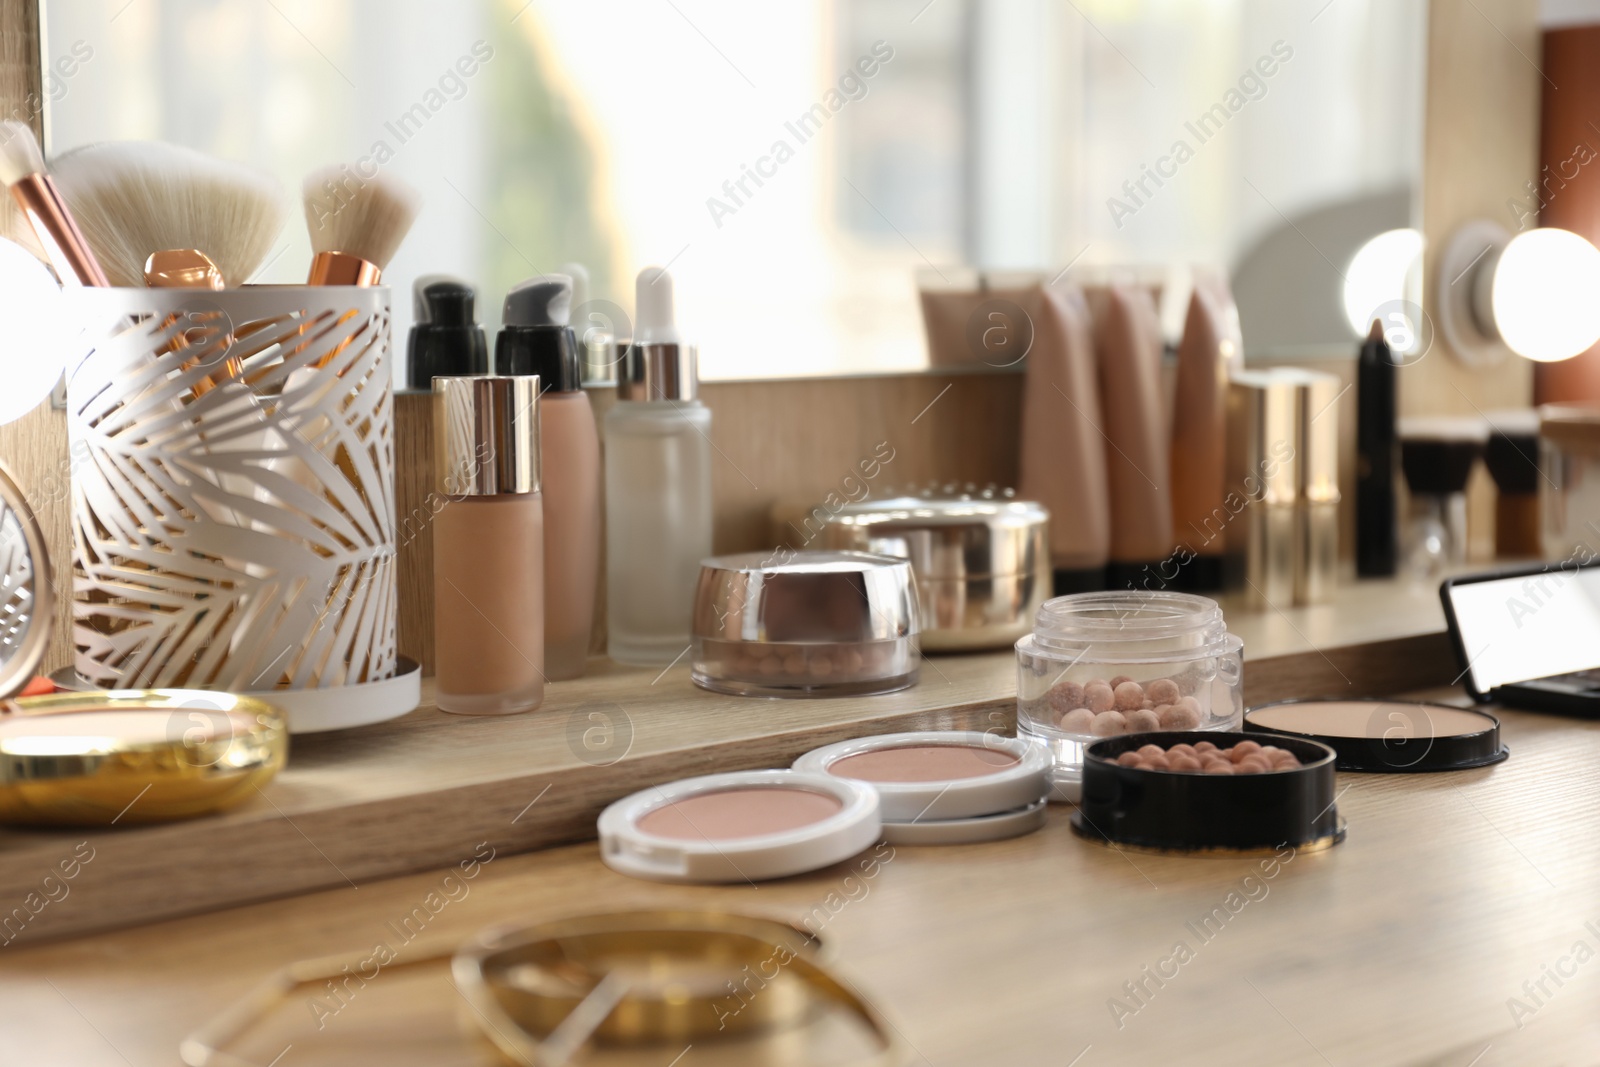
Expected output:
{"points": [[798, 165], [26, 592]]}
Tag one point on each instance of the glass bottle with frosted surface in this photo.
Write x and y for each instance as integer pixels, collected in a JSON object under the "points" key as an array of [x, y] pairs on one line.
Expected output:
{"points": [[488, 546], [658, 486]]}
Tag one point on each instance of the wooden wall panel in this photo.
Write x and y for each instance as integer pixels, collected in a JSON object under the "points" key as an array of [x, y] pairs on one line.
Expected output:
{"points": [[1480, 143], [1569, 180], [786, 440]]}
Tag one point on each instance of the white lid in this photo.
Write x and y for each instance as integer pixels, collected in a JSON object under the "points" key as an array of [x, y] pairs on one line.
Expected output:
{"points": [[1014, 783], [967, 831], [632, 850], [654, 322]]}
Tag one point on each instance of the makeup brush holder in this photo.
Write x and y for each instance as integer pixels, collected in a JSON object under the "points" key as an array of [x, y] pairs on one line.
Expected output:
{"points": [[233, 489]]}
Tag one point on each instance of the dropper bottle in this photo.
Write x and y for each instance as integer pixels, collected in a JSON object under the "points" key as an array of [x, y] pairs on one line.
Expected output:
{"points": [[658, 485]]}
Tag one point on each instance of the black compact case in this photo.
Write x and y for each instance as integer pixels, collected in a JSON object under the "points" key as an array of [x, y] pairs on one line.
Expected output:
{"points": [[1400, 742], [1191, 812]]}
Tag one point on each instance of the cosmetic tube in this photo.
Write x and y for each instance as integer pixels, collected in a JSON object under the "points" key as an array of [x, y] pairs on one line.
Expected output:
{"points": [[1063, 458], [536, 339], [488, 546], [1209, 353], [1377, 518], [1128, 346]]}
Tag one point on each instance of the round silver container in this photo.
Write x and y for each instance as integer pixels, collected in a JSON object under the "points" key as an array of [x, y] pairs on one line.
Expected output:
{"points": [[801, 624], [982, 565]]}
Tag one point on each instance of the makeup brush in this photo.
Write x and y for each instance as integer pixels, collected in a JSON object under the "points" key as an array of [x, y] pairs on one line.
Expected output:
{"points": [[151, 205], [22, 168], [356, 223]]}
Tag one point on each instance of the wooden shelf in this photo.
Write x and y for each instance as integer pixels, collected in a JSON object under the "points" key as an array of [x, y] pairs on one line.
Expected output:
{"points": [[383, 800], [1400, 946]]}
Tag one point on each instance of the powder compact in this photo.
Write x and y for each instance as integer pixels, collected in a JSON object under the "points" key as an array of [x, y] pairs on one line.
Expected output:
{"points": [[639, 985], [982, 563], [805, 624], [1388, 736], [744, 826], [126, 756], [1131, 798], [944, 787]]}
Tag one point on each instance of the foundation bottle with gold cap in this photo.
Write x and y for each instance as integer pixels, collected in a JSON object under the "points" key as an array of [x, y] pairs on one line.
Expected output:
{"points": [[488, 545]]}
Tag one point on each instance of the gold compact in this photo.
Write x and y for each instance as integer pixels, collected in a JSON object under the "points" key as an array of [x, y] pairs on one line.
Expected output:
{"points": [[592, 988], [124, 757]]}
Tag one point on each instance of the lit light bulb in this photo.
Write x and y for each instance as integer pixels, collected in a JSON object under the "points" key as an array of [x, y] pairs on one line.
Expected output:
{"points": [[34, 347], [1377, 275], [1546, 294]]}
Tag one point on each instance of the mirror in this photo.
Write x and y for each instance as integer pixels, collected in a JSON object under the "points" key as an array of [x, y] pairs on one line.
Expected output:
{"points": [[27, 596], [797, 165]]}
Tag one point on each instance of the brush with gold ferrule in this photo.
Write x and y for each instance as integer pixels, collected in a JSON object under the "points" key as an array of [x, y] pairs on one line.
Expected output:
{"points": [[22, 168], [356, 224]]}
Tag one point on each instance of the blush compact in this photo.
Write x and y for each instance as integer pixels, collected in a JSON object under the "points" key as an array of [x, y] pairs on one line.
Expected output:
{"points": [[124, 757], [944, 786], [1208, 791], [744, 826], [1388, 736]]}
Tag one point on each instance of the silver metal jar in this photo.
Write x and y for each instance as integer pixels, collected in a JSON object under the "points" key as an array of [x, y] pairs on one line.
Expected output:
{"points": [[784, 623], [982, 565]]}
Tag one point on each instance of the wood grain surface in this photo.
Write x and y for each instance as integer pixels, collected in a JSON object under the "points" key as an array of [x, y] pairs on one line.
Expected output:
{"points": [[1410, 943], [1479, 147], [373, 802]]}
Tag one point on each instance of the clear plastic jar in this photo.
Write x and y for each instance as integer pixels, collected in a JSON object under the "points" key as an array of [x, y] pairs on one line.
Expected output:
{"points": [[1186, 670]]}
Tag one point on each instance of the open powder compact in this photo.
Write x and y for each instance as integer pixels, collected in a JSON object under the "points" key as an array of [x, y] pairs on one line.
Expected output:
{"points": [[739, 827], [944, 787], [1388, 736], [1189, 810], [126, 756]]}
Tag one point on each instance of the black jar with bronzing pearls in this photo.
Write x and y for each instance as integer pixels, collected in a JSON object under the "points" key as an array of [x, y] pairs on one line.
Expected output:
{"points": [[1195, 811]]}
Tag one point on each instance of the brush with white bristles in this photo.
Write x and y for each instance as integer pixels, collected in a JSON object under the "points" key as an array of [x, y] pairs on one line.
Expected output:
{"points": [[140, 200], [356, 223], [22, 168]]}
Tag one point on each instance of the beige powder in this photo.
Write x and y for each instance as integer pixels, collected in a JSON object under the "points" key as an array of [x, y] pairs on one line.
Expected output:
{"points": [[728, 814], [1370, 718]]}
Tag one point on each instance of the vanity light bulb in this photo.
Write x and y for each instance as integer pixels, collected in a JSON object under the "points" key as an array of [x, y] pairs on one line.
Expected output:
{"points": [[1377, 276], [1546, 294], [34, 349]]}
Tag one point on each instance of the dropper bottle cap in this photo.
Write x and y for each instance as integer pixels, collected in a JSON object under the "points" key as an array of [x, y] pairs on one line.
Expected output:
{"points": [[659, 365], [536, 337]]}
